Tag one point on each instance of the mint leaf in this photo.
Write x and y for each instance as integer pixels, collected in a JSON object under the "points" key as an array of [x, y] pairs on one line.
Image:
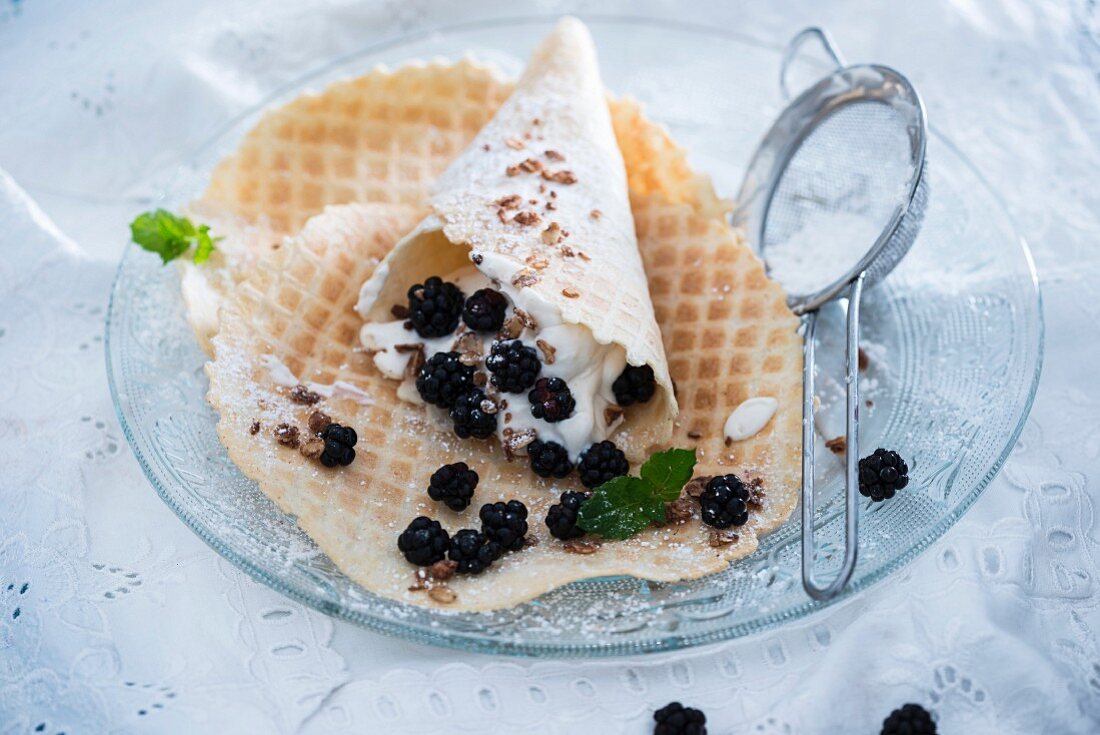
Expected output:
{"points": [[620, 508], [169, 236], [204, 247], [668, 471]]}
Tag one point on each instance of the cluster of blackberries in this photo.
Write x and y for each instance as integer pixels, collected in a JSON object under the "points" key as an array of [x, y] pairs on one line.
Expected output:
{"points": [[444, 378], [909, 719], [725, 502], [514, 366], [503, 526], [676, 719], [882, 474], [436, 306], [561, 518], [453, 485]]}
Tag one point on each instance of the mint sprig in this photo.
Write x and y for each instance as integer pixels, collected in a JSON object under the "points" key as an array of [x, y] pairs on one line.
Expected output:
{"points": [[169, 236], [625, 506]]}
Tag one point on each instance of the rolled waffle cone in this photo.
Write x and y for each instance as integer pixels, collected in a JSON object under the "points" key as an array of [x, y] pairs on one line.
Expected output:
{"points": [[726, 332], [538, 201]]}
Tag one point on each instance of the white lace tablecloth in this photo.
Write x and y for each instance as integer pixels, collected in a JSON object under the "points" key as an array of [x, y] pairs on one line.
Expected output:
{"points": [[115, 618]]}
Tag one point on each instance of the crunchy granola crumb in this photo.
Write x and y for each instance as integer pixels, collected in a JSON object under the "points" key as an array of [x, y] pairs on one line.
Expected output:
{"points": [[756, 493], [566, 251], [510, 329], [537, 262], [695, 435], [526, 319], [319, 421], [489, 406], [581, 546], [287, 435], [399, 311], [554, 155], [468, 342], [528, 166], [548, 351], [680, 510], [480, 379], [553, 194], [560, 177], [302, 394], [864, 360], [486, 147], [527, 218], [514, 144], [718, 539], [312, 447], [697, 485], [442, 595], [536, 122], [595, 214], [443, 570], [552, 234], [570, 293], [551, 207], [516, 440], [525, 278], [254, 428], [412, 367], [583, 256], [420, 580], [837, 445], [612, 413], [512, 201]]}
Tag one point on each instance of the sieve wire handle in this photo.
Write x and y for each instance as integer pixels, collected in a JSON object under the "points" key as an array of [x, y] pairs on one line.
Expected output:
{"points": [[851, 474], [793, 46]]}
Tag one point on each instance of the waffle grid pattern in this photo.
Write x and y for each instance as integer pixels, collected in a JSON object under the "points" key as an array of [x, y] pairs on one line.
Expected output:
{"points": [[296, 305]]}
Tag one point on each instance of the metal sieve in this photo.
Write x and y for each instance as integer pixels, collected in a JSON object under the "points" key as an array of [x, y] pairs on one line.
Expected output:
{"points": [[849, 149]]}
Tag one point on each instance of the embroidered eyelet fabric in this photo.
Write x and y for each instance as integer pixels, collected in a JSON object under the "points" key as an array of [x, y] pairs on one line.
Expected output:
{"points": [[114, 617]]}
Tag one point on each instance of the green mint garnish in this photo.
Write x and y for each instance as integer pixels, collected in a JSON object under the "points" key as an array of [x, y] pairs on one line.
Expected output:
{"points": [[624, 506], [169, 236]]}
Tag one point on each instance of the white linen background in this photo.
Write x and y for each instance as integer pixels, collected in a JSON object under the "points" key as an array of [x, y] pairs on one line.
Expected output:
{"points": [[115, 618]]}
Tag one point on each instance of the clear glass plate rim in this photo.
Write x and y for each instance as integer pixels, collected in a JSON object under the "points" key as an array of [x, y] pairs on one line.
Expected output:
{"points": [[454, 639]]}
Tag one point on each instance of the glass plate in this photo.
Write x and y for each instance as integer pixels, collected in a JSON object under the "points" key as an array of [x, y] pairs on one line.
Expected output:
{"points": [[958, 330]]}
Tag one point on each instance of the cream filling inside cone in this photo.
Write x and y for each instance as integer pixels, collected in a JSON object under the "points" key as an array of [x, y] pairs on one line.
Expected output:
{"points": [[587, 367]]}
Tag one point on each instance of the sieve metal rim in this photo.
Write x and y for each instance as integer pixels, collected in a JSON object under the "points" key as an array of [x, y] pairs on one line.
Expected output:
{"points": [[842, 88]]}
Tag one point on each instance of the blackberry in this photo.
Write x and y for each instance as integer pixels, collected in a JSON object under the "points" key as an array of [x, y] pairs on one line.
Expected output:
{"points": [[435, 307], [549, 459], [339, 441], [453, 484], [443, 378], [473, 551], [909, 719], [551, 400], [634, 385], [882, 474], [424, 542], [725, 502], [561, 519], [602, 462], [505, 523], [676, 719], [484, 311], [470, 416], [514, 366]]}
